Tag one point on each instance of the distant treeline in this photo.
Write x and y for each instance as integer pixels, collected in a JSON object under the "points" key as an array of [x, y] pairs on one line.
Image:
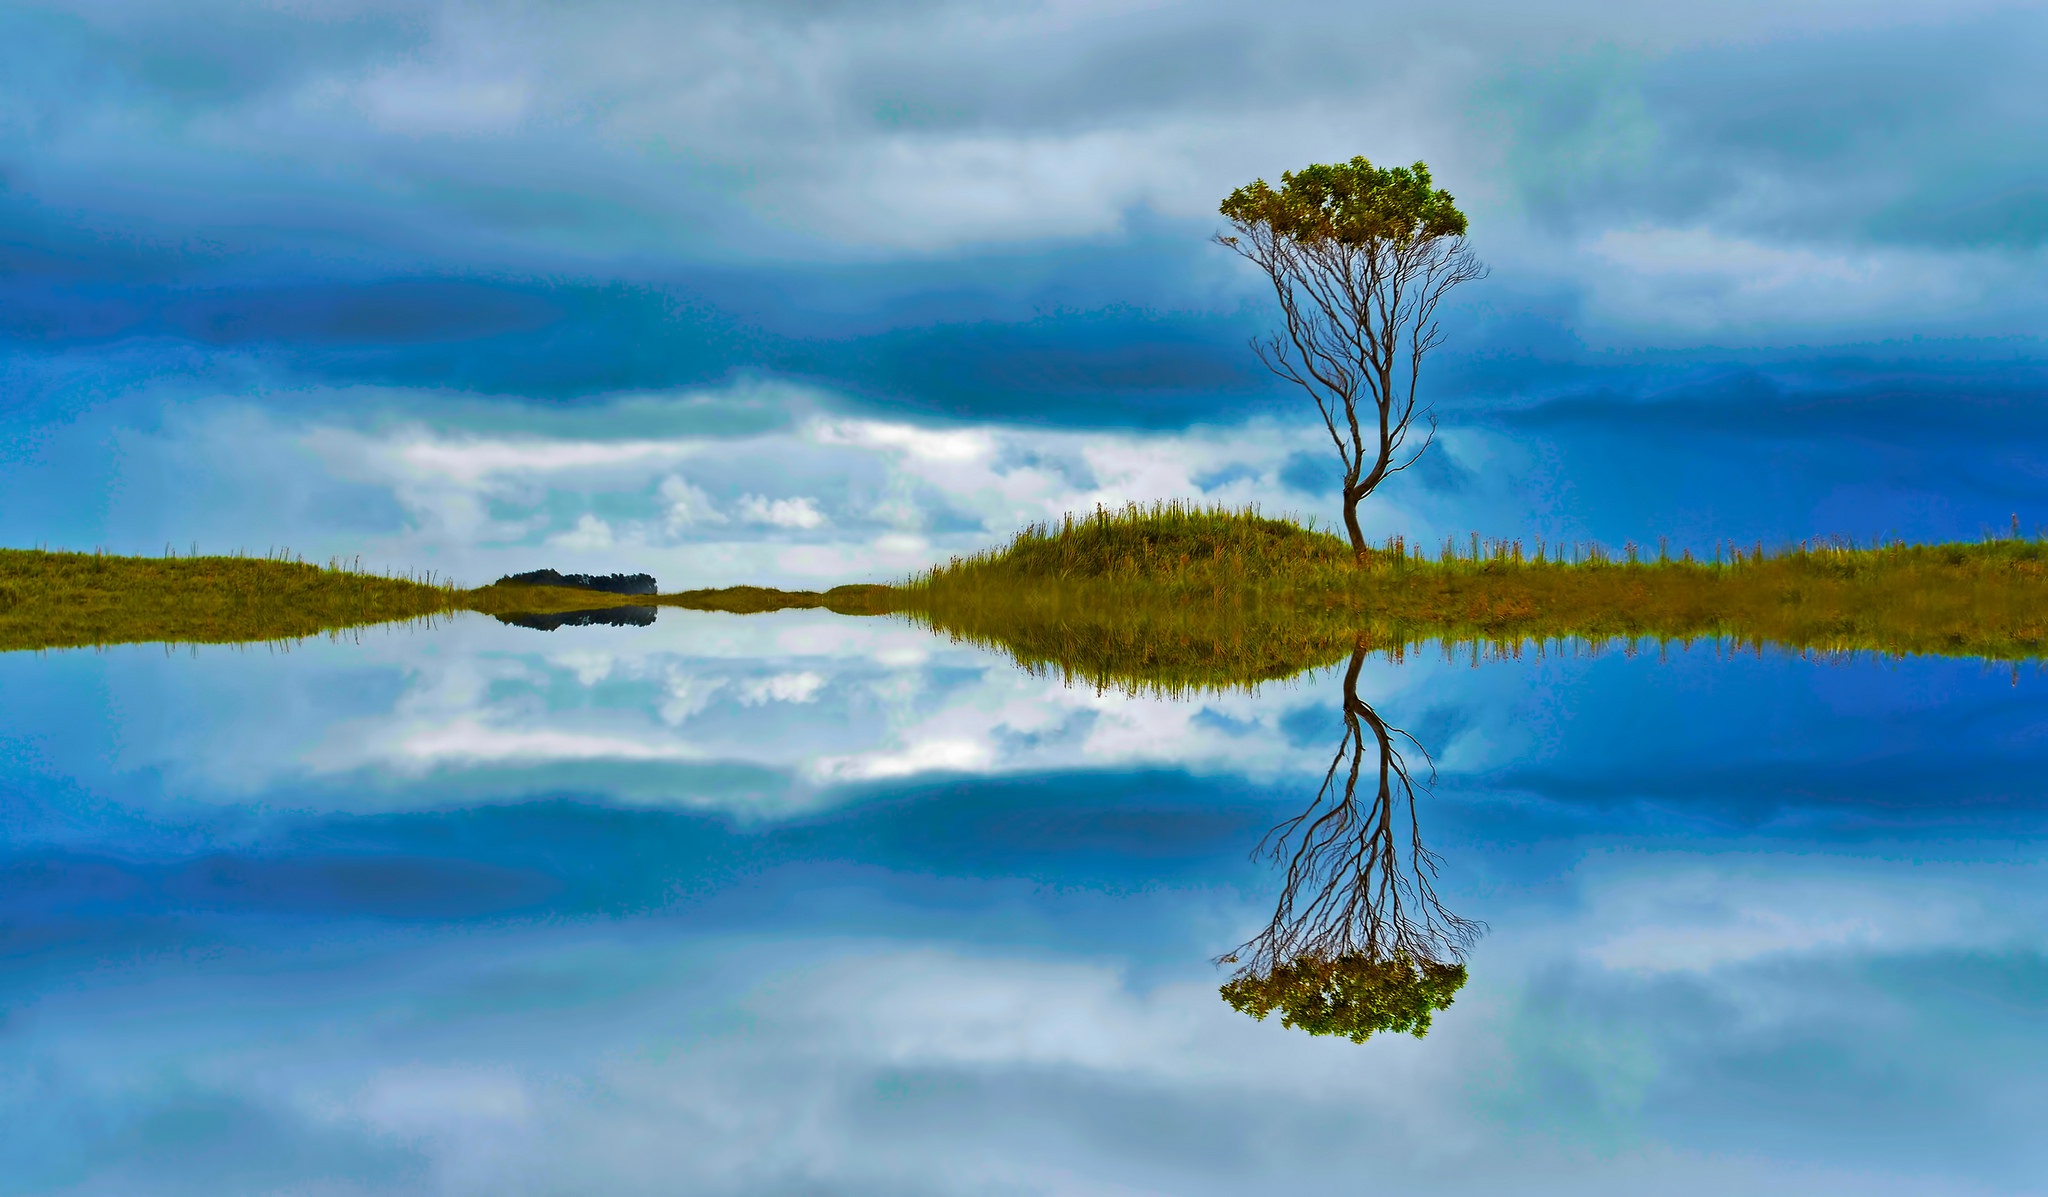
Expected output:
{"points": [[608, 583]]}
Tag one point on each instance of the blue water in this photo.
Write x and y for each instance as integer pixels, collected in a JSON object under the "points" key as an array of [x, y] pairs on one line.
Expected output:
{"points": [[806, 904]]}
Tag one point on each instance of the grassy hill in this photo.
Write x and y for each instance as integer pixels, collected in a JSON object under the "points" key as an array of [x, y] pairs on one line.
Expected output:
{"points": [[68, 600], [1169, 596], [1173, 595]]}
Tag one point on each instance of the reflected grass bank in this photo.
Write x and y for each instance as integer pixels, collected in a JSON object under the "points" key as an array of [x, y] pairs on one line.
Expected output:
{"points": [[76, 600], [1171, 596], [1164, 597], [56, 600]]}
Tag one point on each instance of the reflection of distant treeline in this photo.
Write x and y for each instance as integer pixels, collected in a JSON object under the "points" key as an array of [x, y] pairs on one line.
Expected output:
{"points": [[618, 617]]}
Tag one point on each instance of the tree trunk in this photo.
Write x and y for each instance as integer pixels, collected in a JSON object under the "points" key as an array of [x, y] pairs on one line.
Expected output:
{"points": [[1351, 498]]}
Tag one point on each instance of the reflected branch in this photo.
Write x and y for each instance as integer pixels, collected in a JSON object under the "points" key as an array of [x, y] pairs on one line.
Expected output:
{"points": [[1359, 942]]}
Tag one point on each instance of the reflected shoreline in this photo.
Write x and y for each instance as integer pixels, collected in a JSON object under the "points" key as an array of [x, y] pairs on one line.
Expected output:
{"points": [[1170, 598]]}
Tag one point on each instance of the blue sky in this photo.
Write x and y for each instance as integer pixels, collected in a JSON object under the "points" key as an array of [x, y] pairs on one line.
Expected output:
{"points": [[1772, 270]]}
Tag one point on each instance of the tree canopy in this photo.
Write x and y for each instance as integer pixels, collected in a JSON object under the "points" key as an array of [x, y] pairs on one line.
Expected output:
{"points": [[1354, 996], [1352, 203]]}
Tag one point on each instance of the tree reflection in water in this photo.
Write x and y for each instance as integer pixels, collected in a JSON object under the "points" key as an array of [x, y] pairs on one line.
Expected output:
{"points": [[1359, 942]]}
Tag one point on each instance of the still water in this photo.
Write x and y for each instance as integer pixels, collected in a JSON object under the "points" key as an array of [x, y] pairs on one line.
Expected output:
{"points": [[802, 903]]}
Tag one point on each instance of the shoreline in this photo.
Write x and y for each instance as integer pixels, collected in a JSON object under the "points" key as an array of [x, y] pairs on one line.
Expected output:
{"points": [[1170, 591]]}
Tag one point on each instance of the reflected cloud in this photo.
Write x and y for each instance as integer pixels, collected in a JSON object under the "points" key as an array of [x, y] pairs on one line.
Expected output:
{"points": [[820, 701], [940, 982]]}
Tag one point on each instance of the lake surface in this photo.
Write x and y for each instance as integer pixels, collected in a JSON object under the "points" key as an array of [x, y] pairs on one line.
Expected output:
{"points": [[801, 903]]}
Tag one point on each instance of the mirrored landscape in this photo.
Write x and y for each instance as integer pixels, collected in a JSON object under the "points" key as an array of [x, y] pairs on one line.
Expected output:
{"points": [[1042, 599], [800, 901]]}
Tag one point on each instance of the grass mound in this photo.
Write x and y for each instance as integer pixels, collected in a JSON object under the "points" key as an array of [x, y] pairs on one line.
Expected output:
{"points": [[70, 600], [1161, 540], [1171, 597]]}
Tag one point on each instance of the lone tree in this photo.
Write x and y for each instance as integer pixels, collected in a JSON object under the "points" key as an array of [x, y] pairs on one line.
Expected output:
{"points": [[1359, 256]]}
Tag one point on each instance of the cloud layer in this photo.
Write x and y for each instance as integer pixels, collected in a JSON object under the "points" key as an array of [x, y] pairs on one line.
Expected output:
{"points": [[1780, 173]]}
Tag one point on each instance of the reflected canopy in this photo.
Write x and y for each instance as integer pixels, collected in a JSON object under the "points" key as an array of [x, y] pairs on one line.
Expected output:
{"points": [[1359, 942]]}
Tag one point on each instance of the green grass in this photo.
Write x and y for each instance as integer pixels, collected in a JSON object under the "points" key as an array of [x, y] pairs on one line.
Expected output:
{"points": [[1169, 597], [1174, 596], [76, 600], [752, 600], [501, 599], [71, 600]]}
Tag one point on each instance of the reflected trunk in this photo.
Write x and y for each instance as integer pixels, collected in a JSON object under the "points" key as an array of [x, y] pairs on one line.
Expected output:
{"points": [[1359, 941]]}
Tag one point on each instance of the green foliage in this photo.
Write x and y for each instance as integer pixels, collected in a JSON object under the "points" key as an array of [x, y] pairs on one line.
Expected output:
{"points": [[1355, 996], [1351, 203]]}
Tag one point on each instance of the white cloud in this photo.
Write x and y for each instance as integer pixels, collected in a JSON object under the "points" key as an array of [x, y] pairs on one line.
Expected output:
{"points": [[685, 505], [938, 445], [687, 695], [474, 741], [1696, 916], [799, 512], [476, 506], [1692, 281], [806, 697], [419, 1101], [897, 544], [613, 132], [589, 534], [590, 668], [925, 756], [473, 460], [783, 687], [659, 1055]]}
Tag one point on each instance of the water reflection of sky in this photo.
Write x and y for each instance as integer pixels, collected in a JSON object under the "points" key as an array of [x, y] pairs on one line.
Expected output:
{"points": [[802, 903]]}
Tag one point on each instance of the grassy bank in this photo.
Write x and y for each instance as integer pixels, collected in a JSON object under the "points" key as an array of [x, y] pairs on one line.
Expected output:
{"points": [[736, 600], [1168, 597], [70, 600], [75, 600], [1176, 596]]}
